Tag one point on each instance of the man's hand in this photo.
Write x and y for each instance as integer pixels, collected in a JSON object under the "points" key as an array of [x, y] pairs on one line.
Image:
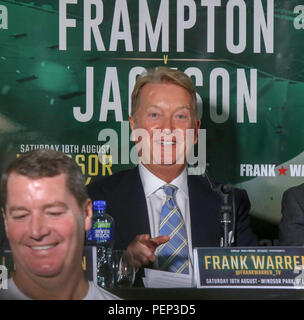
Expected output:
{"points": [[143, 248]]}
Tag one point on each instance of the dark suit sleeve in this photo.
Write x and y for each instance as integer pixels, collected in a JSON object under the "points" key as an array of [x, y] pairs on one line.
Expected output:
{"points": [[291, 227], [244, 235]]}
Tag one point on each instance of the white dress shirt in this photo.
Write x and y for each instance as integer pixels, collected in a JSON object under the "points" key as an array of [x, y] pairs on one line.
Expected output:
{"points": [[156, 197]]}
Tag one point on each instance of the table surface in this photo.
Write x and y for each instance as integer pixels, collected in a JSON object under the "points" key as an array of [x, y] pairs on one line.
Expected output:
{"points": [[209, 294]]}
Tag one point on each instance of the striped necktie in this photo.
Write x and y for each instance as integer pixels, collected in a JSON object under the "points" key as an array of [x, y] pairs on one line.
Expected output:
{"points": [[173, 255]]}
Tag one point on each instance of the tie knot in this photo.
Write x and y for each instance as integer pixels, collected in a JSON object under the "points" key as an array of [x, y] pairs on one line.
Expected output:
{"points": [[169, 189]]}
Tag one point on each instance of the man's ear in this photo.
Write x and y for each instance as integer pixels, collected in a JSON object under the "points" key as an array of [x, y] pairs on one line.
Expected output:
{"points": [[132, 125], [88, 214], [131, 119]]}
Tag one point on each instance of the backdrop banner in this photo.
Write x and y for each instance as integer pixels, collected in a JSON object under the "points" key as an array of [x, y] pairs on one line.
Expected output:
{"points": [[68, 67]]}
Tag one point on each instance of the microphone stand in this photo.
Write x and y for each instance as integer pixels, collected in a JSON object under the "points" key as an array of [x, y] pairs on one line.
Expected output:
{"points": [[224, 191], [226, 210]]}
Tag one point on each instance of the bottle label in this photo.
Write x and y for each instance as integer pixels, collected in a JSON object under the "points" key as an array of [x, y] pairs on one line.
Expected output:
{"points": [[100, 234], [101, 225]]}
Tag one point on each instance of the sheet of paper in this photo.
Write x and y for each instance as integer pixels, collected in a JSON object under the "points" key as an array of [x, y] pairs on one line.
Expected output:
{"points": [[164, 279]]}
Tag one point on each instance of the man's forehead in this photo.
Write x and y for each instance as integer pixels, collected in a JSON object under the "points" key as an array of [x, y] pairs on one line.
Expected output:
{"points": [[49, 190], [160, 107], [17, 180]]}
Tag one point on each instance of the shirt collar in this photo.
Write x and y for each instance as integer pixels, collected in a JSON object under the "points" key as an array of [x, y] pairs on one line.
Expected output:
{"points": [[152, 183]]}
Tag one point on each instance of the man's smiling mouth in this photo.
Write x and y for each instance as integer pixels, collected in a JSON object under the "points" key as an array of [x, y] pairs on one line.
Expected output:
{"points": [[44, 247]]}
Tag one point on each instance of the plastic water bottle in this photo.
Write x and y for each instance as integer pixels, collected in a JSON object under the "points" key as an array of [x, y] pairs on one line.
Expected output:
{"points": [[101, 236]]}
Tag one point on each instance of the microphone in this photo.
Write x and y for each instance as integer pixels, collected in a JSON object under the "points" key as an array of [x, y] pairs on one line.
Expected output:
{"points": [[224, 189], [220, 189]]}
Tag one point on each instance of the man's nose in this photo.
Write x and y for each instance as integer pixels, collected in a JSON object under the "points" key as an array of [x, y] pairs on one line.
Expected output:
{"points": [[167, 125], [38, 228]]}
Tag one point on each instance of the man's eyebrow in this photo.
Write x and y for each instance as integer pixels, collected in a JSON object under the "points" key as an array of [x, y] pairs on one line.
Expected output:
{"points": [[18, 208], [184, 107]]}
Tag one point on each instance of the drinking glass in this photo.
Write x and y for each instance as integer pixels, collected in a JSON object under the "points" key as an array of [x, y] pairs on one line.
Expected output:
{"points": [[119, 269]]}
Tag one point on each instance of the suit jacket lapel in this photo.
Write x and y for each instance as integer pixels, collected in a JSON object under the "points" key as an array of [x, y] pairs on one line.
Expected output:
{"points": [[130, 199]]}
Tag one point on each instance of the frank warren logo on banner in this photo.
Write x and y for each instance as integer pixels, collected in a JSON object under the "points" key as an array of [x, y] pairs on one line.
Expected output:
{"points": [[271, 170]]}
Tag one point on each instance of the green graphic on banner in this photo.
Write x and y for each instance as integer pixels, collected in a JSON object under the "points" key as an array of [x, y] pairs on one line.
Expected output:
{"points": [[67, 69]]}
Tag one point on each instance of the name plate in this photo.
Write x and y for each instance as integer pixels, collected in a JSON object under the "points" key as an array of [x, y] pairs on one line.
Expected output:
{"points": [[89, 263], [250, 267]]}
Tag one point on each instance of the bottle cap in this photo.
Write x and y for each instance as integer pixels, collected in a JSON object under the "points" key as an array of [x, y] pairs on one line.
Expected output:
{"points": [[99, 205]]}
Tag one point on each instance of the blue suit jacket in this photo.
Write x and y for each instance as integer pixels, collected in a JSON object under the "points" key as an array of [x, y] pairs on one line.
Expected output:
{"points": [[126, 203]]}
